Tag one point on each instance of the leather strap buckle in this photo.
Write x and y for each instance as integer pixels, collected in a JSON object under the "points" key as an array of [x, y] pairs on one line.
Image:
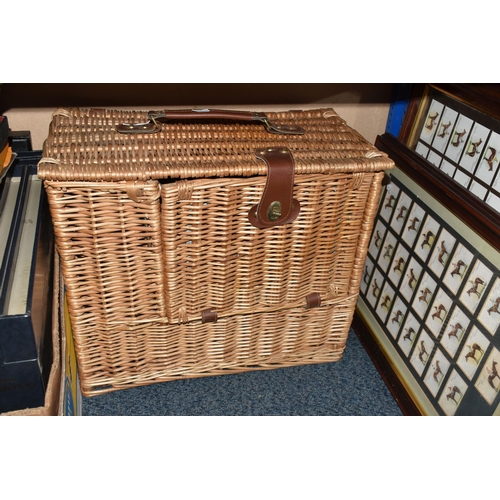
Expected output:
{"points": [[277, 205]]}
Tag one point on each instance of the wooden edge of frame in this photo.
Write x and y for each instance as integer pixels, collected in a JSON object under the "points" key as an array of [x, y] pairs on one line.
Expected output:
{"points": [[471, 210]]}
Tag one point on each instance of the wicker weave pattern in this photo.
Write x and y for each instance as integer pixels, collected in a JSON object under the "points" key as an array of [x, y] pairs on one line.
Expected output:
{"points": [[214, 258], [153, 229], [82, 145], [119, 358], [110, 251]]}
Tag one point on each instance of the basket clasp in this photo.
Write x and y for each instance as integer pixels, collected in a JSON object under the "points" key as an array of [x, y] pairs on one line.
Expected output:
{"points": [[277, 205]]}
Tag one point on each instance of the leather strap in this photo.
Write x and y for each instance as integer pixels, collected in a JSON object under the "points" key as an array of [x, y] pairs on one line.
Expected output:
{"points": [[208, 316], [313, 300], [277, 205]]}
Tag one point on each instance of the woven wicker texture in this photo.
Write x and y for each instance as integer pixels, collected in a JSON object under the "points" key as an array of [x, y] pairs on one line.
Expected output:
{"points": [[83, 145], [154, 230]]}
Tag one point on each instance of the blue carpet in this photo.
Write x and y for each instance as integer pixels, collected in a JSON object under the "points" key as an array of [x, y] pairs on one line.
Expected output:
{"points": [[350, 387]]}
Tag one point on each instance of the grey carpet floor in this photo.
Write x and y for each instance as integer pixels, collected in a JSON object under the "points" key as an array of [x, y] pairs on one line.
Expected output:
{"points": [[350, 387]]}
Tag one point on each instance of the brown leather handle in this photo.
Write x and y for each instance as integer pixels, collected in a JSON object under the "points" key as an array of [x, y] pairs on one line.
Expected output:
{"points": [[156, 117], [203, 114]]}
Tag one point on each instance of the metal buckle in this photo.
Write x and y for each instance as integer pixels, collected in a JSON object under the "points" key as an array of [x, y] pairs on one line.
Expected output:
{"points": [[149, 127]]}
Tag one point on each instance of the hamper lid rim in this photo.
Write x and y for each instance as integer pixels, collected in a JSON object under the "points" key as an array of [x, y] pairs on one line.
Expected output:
{"points": [[52, 169], [130, 158]]}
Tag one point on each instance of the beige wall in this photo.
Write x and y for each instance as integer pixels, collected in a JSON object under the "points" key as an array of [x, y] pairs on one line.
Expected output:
{"points": [[365, 107]]}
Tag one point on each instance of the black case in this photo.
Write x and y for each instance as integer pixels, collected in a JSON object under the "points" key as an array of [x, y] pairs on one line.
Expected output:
{"points": [[25, 338]]}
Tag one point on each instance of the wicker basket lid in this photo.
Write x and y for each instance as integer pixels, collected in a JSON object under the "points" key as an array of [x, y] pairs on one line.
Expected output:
{"points": [[87, 145]]}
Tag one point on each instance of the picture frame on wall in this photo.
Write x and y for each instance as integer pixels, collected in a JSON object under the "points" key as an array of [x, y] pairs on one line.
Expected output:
{"points": [[429, 304], [456, 129]]}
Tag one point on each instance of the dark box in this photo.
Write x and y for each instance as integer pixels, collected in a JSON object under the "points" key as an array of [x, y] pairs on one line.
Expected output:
{"points": [[26, 252]]}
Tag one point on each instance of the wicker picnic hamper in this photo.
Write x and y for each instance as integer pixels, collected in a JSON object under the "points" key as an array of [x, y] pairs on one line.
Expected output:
{"points": [[205, 242]]}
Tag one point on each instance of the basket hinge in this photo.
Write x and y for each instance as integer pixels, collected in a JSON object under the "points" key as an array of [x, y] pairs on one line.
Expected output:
{"points": [[277, 205], [313, 300], [208, 316]]}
